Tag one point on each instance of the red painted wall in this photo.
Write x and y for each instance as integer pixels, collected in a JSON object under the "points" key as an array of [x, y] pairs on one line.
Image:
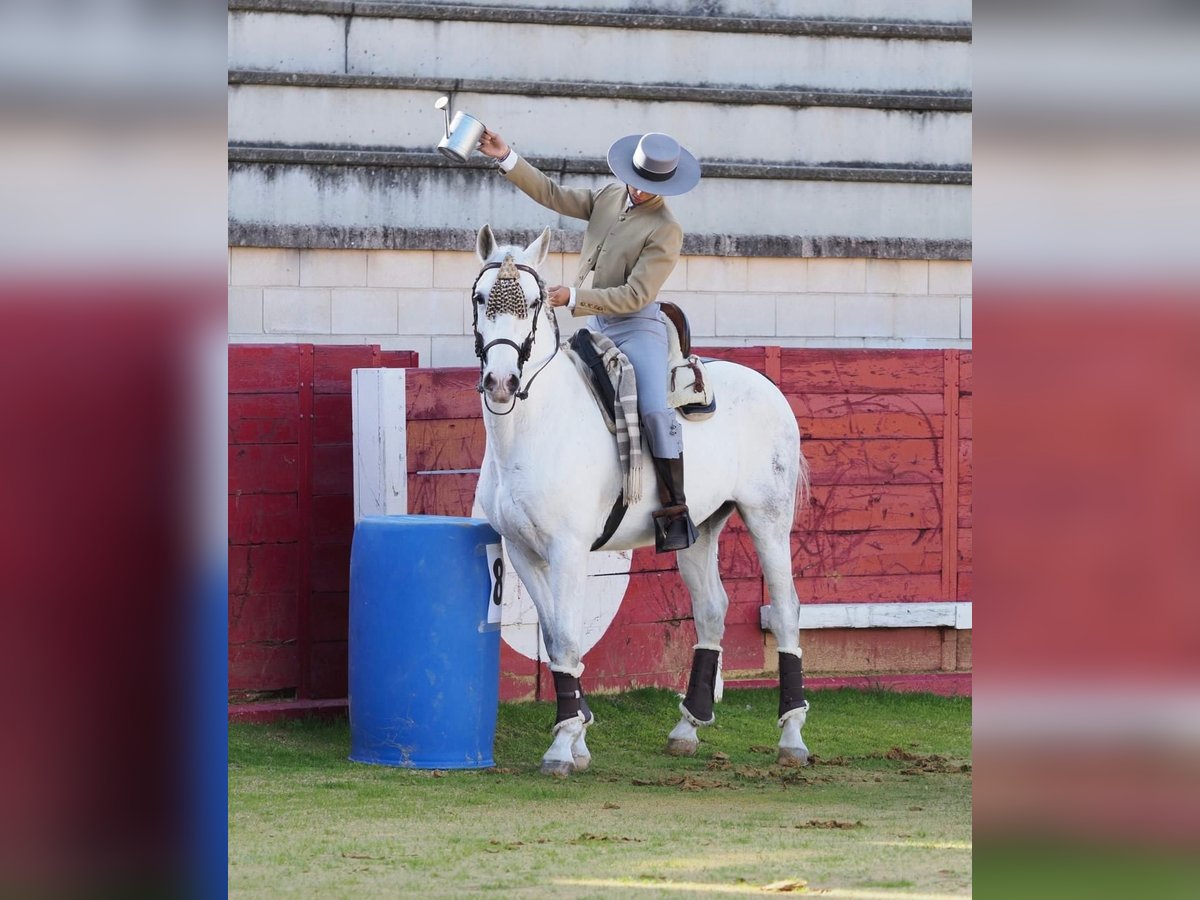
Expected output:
{"points": [[291, 515], [887, 434]]}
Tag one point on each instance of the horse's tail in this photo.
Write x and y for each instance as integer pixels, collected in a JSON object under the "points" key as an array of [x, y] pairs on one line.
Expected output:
{"points": [[802, 480]]}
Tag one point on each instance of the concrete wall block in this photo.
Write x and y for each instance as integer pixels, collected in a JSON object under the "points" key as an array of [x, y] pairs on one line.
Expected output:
{"points": [[677, 280], [837, 276], [400, 268], [777, 275], [926, 11], [422, 344], [333, 268], [245, 310], [365, 311], [431, 48], [928, 317], [897, 276], [584, 126], [864, 316], [353, 196], [455, 269], [965, 317], [805, 315], [287, 43], [717, 273], [297, 311], [699, 308], [434, 312], [949, 276], [264, 267], [743, 314], [452, 351]]}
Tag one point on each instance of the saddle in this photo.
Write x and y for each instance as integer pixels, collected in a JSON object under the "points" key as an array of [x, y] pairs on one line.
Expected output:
{"points": [[688, 390]]}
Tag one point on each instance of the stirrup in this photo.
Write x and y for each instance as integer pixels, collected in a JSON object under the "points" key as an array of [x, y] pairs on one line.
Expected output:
{"points": [[673, 529]]}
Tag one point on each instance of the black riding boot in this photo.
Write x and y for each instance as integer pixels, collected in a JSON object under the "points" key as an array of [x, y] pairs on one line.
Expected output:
{"points": [[673, 527]]}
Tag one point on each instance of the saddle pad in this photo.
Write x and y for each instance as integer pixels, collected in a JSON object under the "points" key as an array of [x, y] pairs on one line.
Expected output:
{"points": [[599, 380]]}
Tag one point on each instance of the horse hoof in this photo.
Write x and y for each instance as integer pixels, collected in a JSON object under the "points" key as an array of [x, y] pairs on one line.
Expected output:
{"points": [[676, 747], [793, 757], [582, 762], [557, 767]]}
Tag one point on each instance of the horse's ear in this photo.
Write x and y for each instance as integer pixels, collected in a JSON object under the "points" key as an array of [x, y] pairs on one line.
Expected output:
{"points": [[536, 253], [485, 244]]}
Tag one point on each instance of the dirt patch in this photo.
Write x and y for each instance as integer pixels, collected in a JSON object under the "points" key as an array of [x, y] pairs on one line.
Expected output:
{"points": [[901, 755], [935, 766], [683, 782], [924, 764], [783, 887], [815, 760], [587, 838], [829, 823]]}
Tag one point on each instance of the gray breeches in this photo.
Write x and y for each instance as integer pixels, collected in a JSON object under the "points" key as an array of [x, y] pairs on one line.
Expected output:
{"points": [[643, 338]]}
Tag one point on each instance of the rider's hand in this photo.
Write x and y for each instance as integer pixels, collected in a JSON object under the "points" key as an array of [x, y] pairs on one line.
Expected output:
{"points": [[558, 295], [491, 144]]}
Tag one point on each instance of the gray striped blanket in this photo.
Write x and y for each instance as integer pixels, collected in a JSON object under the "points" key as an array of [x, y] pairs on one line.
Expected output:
{"points": [[626, 426]]}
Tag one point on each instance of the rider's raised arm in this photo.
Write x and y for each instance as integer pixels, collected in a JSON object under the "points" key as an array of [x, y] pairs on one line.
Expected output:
{"points": [[574, 202]]}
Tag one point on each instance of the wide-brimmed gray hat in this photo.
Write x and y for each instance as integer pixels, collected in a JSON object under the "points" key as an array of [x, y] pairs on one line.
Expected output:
{"points": [[654, 163]]}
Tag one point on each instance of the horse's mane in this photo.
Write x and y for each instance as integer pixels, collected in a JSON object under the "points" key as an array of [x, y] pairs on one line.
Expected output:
{"points": [[508, 249]]}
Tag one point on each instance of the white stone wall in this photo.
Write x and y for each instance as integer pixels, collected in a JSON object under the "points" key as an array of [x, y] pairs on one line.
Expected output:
{"points": [[418, 300]]}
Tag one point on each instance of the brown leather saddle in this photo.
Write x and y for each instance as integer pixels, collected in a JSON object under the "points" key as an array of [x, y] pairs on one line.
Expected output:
{"points": [[676, 317], [688, 391]]}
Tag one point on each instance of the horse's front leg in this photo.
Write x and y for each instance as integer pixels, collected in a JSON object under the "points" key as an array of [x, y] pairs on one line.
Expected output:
{"points": [[557, 588]]}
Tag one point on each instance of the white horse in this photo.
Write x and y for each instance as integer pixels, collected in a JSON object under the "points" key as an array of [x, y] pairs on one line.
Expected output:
{"points": [[551, 475]]}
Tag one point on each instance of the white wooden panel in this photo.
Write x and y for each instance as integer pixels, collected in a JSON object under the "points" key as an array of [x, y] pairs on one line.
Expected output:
{"points": [[380, 443]]}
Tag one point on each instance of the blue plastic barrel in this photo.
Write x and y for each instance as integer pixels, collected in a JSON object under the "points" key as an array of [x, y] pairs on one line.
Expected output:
{"points": [[424, 655]]}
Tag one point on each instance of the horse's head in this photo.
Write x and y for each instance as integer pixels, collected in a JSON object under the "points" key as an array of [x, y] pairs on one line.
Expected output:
{"points": [[507, 300]]}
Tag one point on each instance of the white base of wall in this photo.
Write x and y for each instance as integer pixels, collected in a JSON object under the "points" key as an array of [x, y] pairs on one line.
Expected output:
{"points": [[879, 615]]}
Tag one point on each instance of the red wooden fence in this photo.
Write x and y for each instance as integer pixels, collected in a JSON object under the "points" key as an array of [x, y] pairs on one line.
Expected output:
{"points": [[887, 435], [291, 515]]}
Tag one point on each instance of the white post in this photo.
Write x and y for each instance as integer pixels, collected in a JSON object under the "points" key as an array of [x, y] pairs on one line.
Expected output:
{"points": [[380, 443]]}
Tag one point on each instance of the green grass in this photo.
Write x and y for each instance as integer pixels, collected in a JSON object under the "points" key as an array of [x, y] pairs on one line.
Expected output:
{"points": [[1058, 869], [884, 812]]}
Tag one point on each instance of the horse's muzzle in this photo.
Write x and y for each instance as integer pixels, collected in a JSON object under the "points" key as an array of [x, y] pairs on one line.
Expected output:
{"points": [[499, 390]]}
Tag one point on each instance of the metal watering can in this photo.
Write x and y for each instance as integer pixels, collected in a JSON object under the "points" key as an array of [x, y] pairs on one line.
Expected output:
{"points": [[462, 133]]}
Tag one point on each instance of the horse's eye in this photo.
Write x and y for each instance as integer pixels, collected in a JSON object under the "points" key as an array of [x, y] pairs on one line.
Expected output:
{"points": [[479, 298]]}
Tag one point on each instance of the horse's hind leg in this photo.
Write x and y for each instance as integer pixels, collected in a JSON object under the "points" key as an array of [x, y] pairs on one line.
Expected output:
{"points": [[770, 526], [698, 567]]}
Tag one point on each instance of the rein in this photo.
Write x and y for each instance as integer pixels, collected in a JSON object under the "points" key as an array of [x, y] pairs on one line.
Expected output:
{"points": [[524, 349]]}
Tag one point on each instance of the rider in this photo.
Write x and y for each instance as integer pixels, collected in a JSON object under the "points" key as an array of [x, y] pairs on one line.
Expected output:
{"points": [[632, 243]]}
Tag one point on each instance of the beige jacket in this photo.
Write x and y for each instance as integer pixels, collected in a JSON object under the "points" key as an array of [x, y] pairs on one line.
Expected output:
{"points": [[632, 252]]}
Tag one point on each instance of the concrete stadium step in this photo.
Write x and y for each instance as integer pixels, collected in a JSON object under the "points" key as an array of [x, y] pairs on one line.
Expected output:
{"points": [[332, 36], [288, 203], [584, 127], [936, 11], [915, 101]]}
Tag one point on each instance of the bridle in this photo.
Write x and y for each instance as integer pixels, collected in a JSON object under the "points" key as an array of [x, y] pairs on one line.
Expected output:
{"points": [[524, 349]]}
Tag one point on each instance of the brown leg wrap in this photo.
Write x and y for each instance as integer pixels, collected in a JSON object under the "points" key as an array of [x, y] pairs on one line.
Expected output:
{"points": [[702, 685], [571, 701], [791, 683]]}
